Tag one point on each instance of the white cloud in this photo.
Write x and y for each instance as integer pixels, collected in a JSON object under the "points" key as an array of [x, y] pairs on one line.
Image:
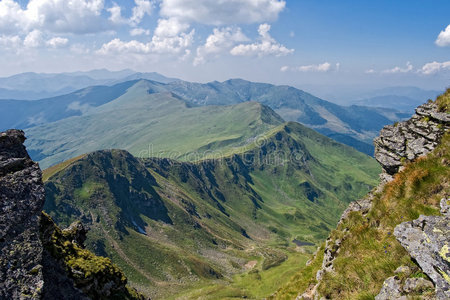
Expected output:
{"points": [[57, 42], [34, 39], [220, 41], [266, 46], [116, 14], [170, 27], [443, 38], [370, 71], [222, 12], [142, 8], [75, 16], [396, 70], [324, 67], [12, 18], [139, 31], [434, 67], [158, 45]]}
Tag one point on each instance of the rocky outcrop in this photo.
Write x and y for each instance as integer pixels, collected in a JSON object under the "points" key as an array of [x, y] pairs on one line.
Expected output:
{"points": [[398, 143], [427, 240], [38, 260], [402, 287], [22, 198], [412, 138]]}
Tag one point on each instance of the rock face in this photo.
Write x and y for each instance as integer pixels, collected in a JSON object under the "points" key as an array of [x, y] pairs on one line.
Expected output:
{"points": [[412, 138], [427, 240], [38, 260], [22, 198], [395, 288]]}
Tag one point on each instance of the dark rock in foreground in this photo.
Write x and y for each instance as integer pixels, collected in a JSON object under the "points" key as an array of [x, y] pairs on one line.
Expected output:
{"points": [[38, 260], [22, 198]]}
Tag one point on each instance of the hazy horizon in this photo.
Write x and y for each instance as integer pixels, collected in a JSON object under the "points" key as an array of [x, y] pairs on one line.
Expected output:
{"points": [[327, 45]]}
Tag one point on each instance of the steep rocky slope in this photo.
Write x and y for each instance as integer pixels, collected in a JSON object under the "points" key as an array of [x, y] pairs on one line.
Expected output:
{"points": [[400, 229], [22, 198], [38, 260]]}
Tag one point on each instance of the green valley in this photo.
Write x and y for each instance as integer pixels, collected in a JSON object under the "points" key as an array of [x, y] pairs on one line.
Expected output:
{"points": [[221, 226]]}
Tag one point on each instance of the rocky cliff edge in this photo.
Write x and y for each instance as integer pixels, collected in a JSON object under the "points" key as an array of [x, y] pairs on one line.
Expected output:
{"points": [[38, 260]]}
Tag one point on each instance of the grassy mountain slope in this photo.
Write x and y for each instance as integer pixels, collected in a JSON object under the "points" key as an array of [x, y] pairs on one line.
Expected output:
{"points": [[174, 225], [158, 124], [370, 253], [358, 124], [24, 114], [354, 125]]}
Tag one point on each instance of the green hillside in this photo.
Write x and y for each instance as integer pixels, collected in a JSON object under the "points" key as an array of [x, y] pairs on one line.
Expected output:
{"points": [[370, 253], [150, 125], [97, 113], [221, 227]]}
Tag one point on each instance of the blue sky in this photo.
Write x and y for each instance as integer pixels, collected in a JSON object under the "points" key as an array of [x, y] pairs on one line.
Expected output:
{"points": [[320, 45]]}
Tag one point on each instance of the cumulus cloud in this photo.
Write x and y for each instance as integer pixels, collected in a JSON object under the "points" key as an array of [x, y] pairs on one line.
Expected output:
{"points": [[222, 12], [434, 67], [158, 45], [324, 67], [57, 42], [12, 18], [76, 16], [219, 41], [266, 46], [443, 38], [139, 31], [396, 70], [170, 27], [116, 14], [34, 39], [142, 8]]}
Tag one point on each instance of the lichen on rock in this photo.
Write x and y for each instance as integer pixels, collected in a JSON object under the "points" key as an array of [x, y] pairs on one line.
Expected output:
{"points": [[427, 240]]}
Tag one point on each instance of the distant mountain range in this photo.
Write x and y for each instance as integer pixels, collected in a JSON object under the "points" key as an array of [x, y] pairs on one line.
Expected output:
{"points": [[32, 86], [353, 125], [404, 99]]}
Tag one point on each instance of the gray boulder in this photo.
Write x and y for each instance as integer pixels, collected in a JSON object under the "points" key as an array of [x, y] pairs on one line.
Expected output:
{"points": [[427, 240], [417, 285], [391, 289]]}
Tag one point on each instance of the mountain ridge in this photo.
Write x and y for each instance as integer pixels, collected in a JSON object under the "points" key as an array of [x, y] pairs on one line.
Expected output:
{"points": [[352, 125], [225, 203]]}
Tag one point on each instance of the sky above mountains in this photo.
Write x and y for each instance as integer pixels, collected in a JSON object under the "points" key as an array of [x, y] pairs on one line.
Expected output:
{"points": [[321, 44]]}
